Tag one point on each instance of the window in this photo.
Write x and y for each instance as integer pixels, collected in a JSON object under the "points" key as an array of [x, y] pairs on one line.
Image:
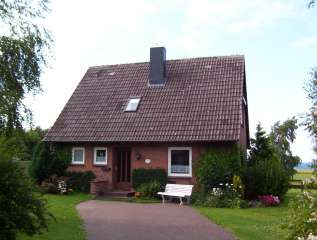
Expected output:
{"points": [[78, 155], [133, 104], [180, 162], [100, 156]]}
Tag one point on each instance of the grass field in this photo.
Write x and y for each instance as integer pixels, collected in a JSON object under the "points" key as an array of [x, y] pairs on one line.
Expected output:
{"points": [[68, 224], [302, 175], [253, 223]]}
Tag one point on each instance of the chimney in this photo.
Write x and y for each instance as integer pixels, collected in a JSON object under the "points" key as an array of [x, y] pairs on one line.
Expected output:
{"points": [[157, 66]]}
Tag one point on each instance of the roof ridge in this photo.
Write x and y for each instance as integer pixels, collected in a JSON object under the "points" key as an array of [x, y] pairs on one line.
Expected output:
{"points": [[170, 60]]}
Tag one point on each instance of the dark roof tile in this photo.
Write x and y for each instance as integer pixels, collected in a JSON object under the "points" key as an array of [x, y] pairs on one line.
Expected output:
{"points": [[201, 101]]}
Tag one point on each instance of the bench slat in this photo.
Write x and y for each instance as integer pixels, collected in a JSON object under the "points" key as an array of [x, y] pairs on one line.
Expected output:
{"points": [[178, 190]]}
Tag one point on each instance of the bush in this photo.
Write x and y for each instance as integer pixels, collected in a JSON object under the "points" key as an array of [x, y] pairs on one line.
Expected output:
{"points": [[198, 196], [224, 196], [269, 200], [217, 166], [55, 184], [141, 176], [267, 177], [150, 190], [22, 209], [302, 221], [46, 162], [80, 181]]}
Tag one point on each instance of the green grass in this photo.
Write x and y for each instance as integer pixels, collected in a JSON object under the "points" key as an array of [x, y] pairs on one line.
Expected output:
{"points": [[302, 175], [68, 224], [252, 223]]}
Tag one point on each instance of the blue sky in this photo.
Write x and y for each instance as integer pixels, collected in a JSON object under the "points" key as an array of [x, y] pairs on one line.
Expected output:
{"points": [[277, 37]]}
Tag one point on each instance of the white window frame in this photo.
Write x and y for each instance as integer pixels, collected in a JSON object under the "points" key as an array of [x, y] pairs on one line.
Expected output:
{"points": [[95, 156], [73, 155], [170, 174], [131, 99]]}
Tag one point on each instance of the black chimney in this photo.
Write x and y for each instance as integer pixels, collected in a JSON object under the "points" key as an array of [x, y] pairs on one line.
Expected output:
{"points": [[157, 66]]}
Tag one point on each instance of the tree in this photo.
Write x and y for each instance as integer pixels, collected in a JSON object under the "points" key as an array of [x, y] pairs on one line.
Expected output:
{"points": [[23, 53], [260, 147], [264, 174], [282, 136], [31, 139], [22, 209], [47, 161], [311, 3], [311, 117]]}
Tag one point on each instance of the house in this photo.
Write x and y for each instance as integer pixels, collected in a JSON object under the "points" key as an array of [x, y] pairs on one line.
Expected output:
{"points": [[162, 113]]}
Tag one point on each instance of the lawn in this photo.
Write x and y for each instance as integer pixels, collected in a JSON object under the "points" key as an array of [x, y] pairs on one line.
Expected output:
{"points": [[68, 224], [253, 223], [296, 182], [302, 175], [246, 224]]}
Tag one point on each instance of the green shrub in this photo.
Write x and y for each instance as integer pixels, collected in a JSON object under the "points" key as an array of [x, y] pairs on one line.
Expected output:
{"points": [[268, 177], [22, 209], [46, 162], [80, 181], [198, 196], [141, 176], [302, 220], [150, 190], [217, 166]]}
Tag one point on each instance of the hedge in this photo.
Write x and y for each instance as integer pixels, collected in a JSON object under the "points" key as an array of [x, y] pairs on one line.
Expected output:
{"points": [[80, 181], [141, 176]]}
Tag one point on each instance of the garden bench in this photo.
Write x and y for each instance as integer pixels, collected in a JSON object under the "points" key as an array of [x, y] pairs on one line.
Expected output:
{"points": [[177, 190]]}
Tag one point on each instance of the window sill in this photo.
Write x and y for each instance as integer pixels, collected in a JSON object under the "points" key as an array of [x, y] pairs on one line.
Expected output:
{"points": [[77, 164], [180, 175], [100, 164]]}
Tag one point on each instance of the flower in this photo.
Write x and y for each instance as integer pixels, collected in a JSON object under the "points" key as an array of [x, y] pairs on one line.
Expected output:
{"points": [[269, 200]]}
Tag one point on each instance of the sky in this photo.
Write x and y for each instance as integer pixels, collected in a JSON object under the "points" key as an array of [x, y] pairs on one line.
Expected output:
{"points": [[277, 37]]}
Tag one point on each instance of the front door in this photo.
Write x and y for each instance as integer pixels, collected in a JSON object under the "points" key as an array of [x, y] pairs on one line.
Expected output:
{"points": [[123, 168]]}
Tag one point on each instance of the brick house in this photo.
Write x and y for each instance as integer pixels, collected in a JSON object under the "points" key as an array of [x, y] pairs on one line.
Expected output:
{"points": [[162, 113]]}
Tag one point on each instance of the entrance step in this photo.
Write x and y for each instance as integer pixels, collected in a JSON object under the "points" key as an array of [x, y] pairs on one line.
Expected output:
{"points": [[120, 194]]}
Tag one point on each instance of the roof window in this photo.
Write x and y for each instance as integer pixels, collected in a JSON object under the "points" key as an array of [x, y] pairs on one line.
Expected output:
{"points": [[133, 104]]}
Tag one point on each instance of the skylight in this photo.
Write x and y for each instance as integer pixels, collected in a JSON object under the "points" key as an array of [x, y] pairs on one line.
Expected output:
{"points": [[133, 104]]}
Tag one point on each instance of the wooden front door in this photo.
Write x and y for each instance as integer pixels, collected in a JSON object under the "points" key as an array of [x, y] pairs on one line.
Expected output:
{"points": [[123, 169]]}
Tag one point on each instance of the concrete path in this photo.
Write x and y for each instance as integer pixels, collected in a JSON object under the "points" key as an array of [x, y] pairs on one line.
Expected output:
{"points": [[131, 221]]}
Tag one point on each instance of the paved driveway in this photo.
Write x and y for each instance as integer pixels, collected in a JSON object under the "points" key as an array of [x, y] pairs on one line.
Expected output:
{"points": [[131, 221]]}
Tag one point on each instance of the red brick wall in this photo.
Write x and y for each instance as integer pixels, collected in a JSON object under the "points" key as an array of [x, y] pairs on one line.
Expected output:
{"points": [[159, 158], [158, 154], [101, 173]]}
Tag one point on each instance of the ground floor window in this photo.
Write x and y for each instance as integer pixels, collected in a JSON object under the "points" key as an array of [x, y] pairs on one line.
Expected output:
{"points": [[100, 156], [78, 155], [180, 161]]}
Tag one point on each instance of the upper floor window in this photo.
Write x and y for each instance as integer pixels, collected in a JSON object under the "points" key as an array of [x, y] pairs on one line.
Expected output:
{"points": [[133, 104], [78, 155]]}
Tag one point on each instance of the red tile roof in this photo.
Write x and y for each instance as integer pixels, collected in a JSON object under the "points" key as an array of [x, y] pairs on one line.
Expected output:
{"points": [[201, 101]]}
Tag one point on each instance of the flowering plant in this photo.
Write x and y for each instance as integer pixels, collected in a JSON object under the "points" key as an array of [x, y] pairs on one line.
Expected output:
{"points": [[269, 200], [225, 195], [302, 222], [61, 186], [310, 182]]}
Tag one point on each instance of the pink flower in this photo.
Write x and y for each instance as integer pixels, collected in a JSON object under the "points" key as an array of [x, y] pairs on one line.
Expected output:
{"points": [[269, 200]]}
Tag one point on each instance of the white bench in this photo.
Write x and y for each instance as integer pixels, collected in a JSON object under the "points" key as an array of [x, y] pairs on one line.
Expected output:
{"points": [[177, 190]]}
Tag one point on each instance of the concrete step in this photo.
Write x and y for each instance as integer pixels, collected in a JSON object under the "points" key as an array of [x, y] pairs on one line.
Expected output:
{"points": [[120, 194]]}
